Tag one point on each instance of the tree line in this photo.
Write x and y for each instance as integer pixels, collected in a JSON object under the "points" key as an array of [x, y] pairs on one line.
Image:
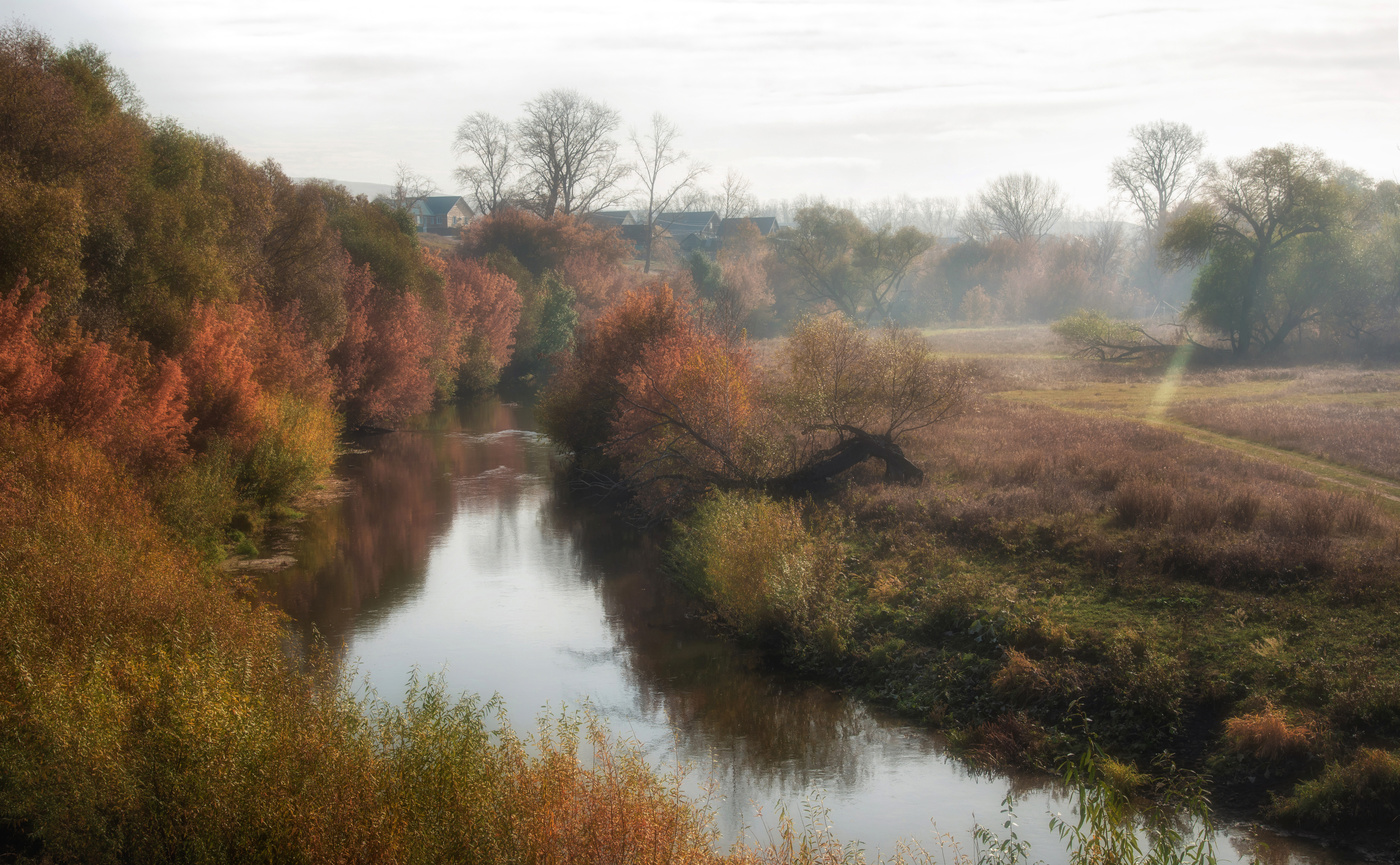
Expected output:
{"points": [[1282, 243]]}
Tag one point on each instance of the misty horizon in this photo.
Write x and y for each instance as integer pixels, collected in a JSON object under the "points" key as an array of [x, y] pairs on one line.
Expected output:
{"points": [[849, 102]]}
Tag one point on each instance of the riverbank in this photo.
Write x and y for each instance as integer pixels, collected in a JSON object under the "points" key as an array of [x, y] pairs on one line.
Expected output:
{"points": [[1083, 554]]}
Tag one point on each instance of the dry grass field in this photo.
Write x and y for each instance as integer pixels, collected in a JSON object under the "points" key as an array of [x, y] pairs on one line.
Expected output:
{"points": [[1200, 562]]}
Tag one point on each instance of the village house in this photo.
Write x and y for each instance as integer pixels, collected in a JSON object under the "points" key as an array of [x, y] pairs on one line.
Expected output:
{"points": [[441, 214]]}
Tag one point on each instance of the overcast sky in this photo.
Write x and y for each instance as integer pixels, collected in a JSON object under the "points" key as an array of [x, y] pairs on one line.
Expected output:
{"points": [[844, 99]]}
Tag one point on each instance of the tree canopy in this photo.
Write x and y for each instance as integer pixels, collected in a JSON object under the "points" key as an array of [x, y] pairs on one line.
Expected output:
{"points": [[830, 257]]}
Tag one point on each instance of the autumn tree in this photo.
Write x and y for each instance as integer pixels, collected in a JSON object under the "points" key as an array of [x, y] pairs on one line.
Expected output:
{"points": [[130, 406], [70, 146], [380, 363], [831, 257], [480, 315], [662, 406], [1255, 215], [850, 394]]}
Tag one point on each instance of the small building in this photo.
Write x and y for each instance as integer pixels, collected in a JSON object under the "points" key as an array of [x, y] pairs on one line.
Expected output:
{"points": [[611, 218], [442, 214], [766, 225], [691, 229]]}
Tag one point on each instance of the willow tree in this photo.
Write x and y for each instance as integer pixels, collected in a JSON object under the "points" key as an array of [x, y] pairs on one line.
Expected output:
{"points": [[832, 258], [1250, 229], [674, 409]]}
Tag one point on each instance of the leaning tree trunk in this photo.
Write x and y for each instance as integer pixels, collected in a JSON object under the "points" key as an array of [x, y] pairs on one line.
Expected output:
{"points": [[849, 453]]}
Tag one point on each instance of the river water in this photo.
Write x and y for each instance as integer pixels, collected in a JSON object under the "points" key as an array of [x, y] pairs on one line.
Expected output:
{"points": [[453, 554]]}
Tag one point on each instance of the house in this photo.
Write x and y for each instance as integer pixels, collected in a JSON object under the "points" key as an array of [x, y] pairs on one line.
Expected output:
{"points": [[691, 229], [442, 214], [662, 247], [611, 218], [766, 225]]}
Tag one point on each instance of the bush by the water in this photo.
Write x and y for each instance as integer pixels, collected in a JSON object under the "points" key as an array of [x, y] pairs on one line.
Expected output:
{"points": [[764, 570]]}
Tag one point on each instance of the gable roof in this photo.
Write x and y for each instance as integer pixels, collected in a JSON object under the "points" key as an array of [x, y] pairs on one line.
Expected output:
{"points": [[611, 218], [766, 224], [438, 205], [681, 223]]}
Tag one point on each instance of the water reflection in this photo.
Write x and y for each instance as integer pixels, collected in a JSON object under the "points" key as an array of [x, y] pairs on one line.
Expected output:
{"points": [[454, 552]]}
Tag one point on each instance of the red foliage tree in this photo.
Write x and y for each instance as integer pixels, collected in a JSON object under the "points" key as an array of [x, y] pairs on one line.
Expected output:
{"points": [[482, 308], [284, 355], [223, 390], [26, 375], [381, 361], [577, 409], [131, 408]]}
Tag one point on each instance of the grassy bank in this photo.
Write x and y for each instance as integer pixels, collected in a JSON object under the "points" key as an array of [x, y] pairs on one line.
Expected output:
{"points": [[1076, 555]]}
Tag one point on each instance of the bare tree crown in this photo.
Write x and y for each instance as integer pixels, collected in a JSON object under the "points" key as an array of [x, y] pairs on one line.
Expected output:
{"points": [[486, 139], [1021, 206], [1161, 171]]}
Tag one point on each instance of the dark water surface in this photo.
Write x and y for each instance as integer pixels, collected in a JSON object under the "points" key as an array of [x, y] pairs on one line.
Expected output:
{"points": [[452, 553]]}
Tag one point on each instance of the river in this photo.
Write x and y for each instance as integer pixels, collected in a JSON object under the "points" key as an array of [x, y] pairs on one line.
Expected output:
{"points": [[452, 553]]}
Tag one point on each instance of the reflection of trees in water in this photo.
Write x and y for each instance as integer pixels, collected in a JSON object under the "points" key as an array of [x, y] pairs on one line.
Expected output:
{"points": [[367, 554], [763, 729]]}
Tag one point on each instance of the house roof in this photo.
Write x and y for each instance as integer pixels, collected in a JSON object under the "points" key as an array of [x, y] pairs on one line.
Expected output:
{"points": [[438, 205], [611, 218], [681, 223], [766, 224]]}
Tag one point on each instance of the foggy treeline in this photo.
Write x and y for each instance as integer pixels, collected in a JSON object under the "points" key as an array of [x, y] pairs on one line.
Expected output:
{"points": [[1249, 251]]}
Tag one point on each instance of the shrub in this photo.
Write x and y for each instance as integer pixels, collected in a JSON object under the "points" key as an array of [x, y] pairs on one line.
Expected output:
{"points": [[295, 449], [1267, 735], [1362, 792], [1241, 510], [755, 561], [1198, 511], [1142, 503]]}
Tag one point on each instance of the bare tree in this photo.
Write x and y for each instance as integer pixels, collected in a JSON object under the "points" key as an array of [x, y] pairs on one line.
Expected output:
{"points": [[1021, 206], [486, 139], [410, 187], [1161, 171], [932, 216], [657, 155], [734, 197], [564, 143]]}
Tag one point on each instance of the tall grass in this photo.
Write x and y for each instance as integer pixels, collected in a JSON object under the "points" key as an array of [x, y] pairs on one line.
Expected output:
{"points": [[764, 570], [149, 714], [1364, 436]]}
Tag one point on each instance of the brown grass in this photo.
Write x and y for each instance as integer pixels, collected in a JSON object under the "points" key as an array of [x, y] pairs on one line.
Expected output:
{"points": [[1197, 510], [1267, 735], [1363, 436]]}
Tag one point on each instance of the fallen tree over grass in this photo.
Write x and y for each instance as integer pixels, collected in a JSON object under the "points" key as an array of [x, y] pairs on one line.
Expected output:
{"points": [[654, 403]]}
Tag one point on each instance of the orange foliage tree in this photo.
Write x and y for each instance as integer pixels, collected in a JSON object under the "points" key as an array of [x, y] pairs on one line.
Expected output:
{"points": [[577, 407], [131, 408], [381, 361], [223, 389], [655, 402], [482, 309], [686, 419]]}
